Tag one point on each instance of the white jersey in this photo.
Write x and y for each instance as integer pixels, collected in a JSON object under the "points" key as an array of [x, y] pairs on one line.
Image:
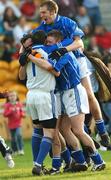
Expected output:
{"points": [[38, 78]]}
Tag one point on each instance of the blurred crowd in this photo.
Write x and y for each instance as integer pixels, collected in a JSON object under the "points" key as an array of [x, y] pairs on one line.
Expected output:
{"points": [[16, 19]]}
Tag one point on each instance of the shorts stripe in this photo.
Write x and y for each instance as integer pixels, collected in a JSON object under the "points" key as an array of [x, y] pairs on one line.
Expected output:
{"points": [[77, 98], [62, 104], [53, 103]]}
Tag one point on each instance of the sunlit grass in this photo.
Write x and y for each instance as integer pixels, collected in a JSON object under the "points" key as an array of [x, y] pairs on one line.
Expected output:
{"points": [[23, 167]]}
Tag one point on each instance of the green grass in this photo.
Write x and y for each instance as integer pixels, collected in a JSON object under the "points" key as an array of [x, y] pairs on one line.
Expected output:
{"points": [[23, 167]]}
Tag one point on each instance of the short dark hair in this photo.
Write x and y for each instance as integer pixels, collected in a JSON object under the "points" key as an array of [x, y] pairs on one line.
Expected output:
{"points": [[25, 37], [51, 5], [56, 34], [38, 37]]}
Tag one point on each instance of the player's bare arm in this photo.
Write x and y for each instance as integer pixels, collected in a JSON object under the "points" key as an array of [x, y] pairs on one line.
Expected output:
{"points": [[44, 64], [77, 44], [22, 72]]}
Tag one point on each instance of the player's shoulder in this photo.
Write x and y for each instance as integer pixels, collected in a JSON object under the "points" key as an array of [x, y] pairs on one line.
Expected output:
{"points": [[40, 27], [66, 19]]}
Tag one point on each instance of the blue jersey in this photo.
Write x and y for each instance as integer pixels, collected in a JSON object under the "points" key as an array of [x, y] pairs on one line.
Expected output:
{"points": [[68, 27], [70, 75], [68, 65], [50, 48], [64, 24]]}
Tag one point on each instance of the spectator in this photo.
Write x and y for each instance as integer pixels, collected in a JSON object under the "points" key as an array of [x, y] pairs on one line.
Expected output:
{"points": [[9, 20], [106, 98], [37, 3], [8, 49], [67, 8], [82, 17], [25, 6], [13, 110], [103, 37], [86, 39], [20, 29], [1, 27], [7, 3], [93, 46], [93, 10]]}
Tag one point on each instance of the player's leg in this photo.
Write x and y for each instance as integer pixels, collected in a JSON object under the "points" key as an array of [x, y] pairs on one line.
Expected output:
{"points": [[46, 144], [59, 150], [65, 153], [37, 133], [47, 113], [78, 129], [65, 129], [59, 142], [93, 103], [56, 151], [6, 153], [78, 163], [76, 107]]}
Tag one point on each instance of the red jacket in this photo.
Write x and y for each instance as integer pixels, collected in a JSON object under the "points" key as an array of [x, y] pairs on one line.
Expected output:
{"points": [[14, 113], [104, 41]]}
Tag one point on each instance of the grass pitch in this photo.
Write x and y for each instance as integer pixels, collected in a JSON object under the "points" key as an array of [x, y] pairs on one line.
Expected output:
{"points": [[23, 167]]}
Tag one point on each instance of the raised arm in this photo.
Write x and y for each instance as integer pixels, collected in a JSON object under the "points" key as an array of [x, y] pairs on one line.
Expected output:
{"points": [[44, 64], [76, 44]]}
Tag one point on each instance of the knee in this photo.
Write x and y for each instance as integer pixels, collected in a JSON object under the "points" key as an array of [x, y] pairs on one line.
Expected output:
{"points": [[65, 131], [79, 134], [49, 133]]}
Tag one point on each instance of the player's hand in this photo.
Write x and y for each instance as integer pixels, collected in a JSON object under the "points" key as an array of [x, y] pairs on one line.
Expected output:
{"points": [[24, 56], [57, 53], [34, 52]]}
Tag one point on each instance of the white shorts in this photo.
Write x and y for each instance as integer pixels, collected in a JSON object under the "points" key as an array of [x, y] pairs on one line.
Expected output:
{"points": [[75, 101], [84, 71], [60, 105], [41, 105]]}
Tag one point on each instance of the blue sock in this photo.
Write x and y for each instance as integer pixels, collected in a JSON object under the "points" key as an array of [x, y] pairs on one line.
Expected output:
{"points": [[100, 126], [69, 148], [56, 163], [96, 158], [66, 156], [36, 141], [78, 156], [44, 149]]}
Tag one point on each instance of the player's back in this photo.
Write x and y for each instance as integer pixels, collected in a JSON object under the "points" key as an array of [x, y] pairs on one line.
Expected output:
{"points": [[70, 73], [38, 78]]}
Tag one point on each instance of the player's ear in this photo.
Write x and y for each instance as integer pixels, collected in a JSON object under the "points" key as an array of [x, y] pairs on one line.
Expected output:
{"points": [[52, 12]]}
